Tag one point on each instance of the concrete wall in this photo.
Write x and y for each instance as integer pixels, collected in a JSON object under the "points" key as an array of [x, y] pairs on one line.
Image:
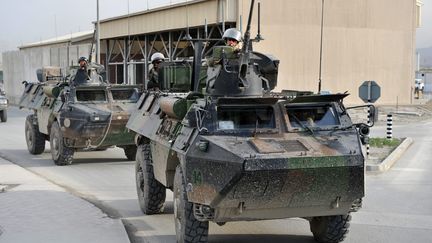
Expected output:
{"points": [[363, 40], [22, 65]]}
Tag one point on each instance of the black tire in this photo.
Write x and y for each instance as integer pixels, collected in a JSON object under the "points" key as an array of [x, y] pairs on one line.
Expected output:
{"points": [[151, 193], [188, 228], [330, 229], [34, 139], [130, 151], [60, 153], [3, 116]]}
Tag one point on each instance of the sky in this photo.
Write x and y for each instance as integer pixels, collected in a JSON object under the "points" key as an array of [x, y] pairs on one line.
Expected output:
{"points": [[424, 33], [23, 21]]}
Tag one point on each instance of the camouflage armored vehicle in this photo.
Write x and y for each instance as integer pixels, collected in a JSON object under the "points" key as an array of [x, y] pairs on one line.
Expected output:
{"points": [[3, 106], [85, 117], [240, 152]]}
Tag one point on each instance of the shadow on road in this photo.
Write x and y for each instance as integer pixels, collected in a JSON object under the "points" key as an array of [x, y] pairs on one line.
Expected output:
{"points": [[235, 238], [24, 158]]}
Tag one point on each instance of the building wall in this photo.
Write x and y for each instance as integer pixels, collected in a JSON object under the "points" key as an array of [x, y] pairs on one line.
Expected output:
{"points": [[362, 40], [22, 65]]}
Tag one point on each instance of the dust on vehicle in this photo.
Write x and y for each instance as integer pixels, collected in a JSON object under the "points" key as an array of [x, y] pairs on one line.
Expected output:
{"points": [[85, 117], [240, 152]]}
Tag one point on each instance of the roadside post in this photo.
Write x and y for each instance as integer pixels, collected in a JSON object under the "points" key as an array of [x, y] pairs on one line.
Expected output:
{"points": [[389, 126]]}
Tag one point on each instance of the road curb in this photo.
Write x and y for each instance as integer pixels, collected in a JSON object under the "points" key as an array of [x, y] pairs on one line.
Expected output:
{"points": [[394, 156]]}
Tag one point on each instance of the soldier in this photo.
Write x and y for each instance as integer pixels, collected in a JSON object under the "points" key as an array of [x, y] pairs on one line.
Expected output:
{"points": [[153, 76], [417, 89], [232, 38], [421, 89], [81, 75]]}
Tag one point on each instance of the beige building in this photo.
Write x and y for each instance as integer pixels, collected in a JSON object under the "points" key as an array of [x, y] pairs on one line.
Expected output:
{"points": [[362, 40]]}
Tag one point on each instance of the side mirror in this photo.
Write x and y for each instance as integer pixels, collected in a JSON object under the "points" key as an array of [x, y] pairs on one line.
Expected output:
{"points": [[362, 114], [373, 113]]}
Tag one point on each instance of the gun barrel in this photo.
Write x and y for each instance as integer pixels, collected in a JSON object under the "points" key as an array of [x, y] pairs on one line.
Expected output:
{"points": [[247, 32]]}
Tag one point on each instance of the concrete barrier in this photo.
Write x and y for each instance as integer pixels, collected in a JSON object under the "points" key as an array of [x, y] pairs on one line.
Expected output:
{"points": [[391, 159]]}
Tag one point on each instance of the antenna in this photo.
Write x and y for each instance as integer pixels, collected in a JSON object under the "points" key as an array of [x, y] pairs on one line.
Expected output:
{"points": [[188, 36], [91, 48], [241, 24], [321, 47], [246, 38], [258, 36], [223, 16], [205, 28]]}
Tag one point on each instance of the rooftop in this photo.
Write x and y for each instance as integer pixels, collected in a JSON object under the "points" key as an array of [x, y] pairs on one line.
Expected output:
{"points": [[72, 37]]}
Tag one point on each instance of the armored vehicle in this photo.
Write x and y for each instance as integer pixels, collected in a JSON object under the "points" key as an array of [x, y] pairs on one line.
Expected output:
{"points": [[240, 152], [73, 117], [3, 106]]}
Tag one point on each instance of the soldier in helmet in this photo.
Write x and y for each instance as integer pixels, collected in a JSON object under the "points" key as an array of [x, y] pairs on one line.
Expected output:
{"points": [[81, 75], [153, 76], [232, 37]]}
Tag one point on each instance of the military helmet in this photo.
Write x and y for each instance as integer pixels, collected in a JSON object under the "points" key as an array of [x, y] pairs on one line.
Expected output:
{"points": [[82, 59], [232, 33], [157, 56]]}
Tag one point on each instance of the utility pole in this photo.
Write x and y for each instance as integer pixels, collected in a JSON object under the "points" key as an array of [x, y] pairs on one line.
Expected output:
{"points": [[98, 34]]}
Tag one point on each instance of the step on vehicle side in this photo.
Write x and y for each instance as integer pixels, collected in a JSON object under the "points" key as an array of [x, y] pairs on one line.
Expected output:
{"points": [[3, 106], [240, 152], [86, 117]]}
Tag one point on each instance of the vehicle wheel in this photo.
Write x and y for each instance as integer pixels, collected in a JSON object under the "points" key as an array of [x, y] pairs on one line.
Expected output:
{"points": [[151, 193], [3, 116], [60, 153], [188, 228], [130, 152], [330, 229], [34, 139]]}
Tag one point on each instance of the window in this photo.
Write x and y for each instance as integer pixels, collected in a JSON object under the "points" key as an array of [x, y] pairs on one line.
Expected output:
{"points": [[90, 95], [232, 118], [125, 95], [312, 116]]}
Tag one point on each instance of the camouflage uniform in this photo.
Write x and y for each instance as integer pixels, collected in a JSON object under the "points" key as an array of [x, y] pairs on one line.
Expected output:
{"points": [[153, 77]]}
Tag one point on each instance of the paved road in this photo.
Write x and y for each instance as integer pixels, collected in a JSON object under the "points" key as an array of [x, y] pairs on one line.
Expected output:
{"points": [[397, 207]]}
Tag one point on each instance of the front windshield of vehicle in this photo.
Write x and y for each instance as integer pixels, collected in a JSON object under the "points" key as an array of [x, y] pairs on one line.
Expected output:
{"points": [[312, 116], [234, 118], [91, 95], [130, 95]]}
